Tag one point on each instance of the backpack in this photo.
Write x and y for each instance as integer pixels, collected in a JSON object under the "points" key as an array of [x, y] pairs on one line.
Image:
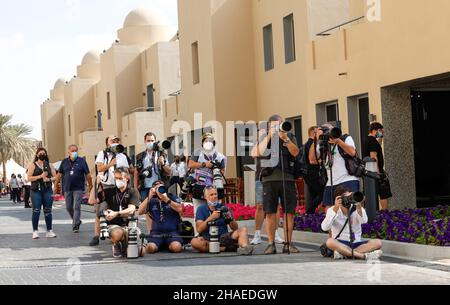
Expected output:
{"points": [[354, 165], [300, 165]]}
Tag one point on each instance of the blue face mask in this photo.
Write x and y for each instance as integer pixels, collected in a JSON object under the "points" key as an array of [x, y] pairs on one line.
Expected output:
{"points": [[379, 135], [74, 155], [213, 204]]}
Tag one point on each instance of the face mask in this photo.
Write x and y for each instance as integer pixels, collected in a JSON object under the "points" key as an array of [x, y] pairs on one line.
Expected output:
{"points": [[120, 184], [74, 155], [213, 204], [379, 135], [150, 145], [42, 157], [114, 145], [208, 146]]}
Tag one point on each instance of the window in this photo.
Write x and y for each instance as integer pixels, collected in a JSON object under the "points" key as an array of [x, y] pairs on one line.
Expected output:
{"points": [[132, 153], [195, 63], [297, 129], [289, 39], [70, 127], [150, 98], [328, 112], [43, 136], [332, 113], [99, 120], [108, 101], [268, 47]]}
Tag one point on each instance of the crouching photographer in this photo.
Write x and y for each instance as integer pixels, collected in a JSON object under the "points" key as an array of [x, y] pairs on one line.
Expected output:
{"points": [[165, 211], [345, 219], [212, 222], [115, 212]]}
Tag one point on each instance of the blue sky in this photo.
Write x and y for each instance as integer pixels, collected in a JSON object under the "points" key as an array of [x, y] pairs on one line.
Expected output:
{"points": [[41, 41]]}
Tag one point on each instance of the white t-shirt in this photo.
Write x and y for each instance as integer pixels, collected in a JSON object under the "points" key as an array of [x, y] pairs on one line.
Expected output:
{"points": [[336, 221], [182, 169], [340, 173], [108, 179], [175, 169]]}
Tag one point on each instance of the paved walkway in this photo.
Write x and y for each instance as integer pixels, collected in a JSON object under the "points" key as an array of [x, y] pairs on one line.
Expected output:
{"points": [[69, 260]]}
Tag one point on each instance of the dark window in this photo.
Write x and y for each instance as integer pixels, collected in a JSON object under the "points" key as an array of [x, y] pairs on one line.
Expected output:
{"points": [[99, 120], [151, 98], [108, 101], [268, 47], [289, 39], [332, 113], [70, 127], [195, 63]]}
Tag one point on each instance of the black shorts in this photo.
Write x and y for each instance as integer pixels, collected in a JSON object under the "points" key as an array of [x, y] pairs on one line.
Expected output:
{"points": [[230, 244], [384, 187], [273, 196]]}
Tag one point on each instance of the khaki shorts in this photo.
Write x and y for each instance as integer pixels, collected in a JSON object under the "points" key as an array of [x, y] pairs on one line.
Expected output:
{"points": [[113, 228]]}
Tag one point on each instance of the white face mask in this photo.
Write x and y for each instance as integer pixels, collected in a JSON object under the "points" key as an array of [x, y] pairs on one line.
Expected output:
{"points": [[150, 145], [114, 145], [120, 184], [208, 146]]}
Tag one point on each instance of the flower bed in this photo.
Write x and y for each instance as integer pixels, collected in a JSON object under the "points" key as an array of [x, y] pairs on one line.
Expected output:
{"points": [[421, 226], [240, 212]]}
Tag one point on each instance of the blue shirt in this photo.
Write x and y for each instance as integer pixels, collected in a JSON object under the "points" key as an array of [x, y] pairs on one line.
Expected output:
{"points": [[74, 174], [170, 219], [203, 213]]}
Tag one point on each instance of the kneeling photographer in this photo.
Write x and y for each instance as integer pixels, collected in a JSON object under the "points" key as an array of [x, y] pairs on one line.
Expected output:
{"points": [[345, 219], [114, 211], [212, 220], [164, 209]]}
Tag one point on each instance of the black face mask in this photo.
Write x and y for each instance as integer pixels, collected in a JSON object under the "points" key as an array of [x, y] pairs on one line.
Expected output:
{"points": [[42, 157]]}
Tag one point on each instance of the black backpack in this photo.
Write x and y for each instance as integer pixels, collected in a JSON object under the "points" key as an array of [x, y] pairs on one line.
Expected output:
{"points": [[354, 165]]}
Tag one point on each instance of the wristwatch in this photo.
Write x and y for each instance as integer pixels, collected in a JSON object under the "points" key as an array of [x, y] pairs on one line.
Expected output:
{"points": [[168, 202], [203, 164]]}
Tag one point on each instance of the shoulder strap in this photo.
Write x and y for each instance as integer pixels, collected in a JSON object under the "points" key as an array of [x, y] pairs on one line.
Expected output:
{"points": [[342, 230], [341, 151]]}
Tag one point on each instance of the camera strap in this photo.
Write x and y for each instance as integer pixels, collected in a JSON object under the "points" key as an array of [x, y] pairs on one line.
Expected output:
{"points": [[342, 230]]}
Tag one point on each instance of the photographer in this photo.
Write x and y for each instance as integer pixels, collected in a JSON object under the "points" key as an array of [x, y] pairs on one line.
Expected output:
{"points": [[106, 163], [151, 166], [203, 162], [120, 203], [337, 220], [165, 211], [237, 240], [330, 153], [276, 186], [315, 186]]}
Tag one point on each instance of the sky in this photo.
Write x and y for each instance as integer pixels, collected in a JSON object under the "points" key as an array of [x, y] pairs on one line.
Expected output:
{"points": [[41, 41]]}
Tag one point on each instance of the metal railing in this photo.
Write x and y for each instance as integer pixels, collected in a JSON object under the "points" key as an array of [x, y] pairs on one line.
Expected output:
{"points": [[143, 109], [325, 33]]}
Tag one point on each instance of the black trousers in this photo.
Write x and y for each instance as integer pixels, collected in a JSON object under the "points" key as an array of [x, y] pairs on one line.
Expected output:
{"points": [[315, 198], [26, 196]]}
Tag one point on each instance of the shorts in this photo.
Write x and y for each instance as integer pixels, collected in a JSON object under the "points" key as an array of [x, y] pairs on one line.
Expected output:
{"points": [[384, 188], [112, 228], [273, 196], [230, 244], [259, 192], [164, 243], [328, 194], [354, 245]]}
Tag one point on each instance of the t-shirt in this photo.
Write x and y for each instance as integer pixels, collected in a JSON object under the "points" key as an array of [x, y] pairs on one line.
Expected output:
{"points": [[13, 183], [340, 173], [277, 174], [74, 174], [108, 177], [374, 146], [200, 157], [182, 169], [203, 213], [175, 169], [169, 221], [118, 201]]}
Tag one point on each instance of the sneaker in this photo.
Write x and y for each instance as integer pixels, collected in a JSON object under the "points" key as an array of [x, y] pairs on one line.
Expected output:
{"points": [[117, 250], [76, 229], [278, 239], [338, 255], [256, 240], [95, 241], [374, 255], [50, 234], [35, 235], [247, 250], [271, 249], [291, 249]]}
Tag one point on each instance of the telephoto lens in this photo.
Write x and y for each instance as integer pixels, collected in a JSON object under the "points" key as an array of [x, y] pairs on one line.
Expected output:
{"points": [[132, 248], [103, 226], [352, 199], [214, 243], [218, 181], [162, 190]]}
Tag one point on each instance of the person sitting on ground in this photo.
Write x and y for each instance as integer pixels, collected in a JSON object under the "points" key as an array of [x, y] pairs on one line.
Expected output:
{"points": [[237, 240], [336, 219], [165, 211]]}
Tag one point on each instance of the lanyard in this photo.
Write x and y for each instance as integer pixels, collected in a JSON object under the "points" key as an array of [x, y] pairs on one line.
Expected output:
{"points": [[120, 200]]}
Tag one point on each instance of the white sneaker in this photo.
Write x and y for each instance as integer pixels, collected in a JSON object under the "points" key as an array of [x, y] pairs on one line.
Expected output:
{"points": [[338, 255], [278, 239], [374, 255], [256, 240], [50, 234], [35, 235]]}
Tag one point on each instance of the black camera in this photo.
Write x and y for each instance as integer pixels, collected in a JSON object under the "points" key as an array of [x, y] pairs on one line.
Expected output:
{"points": [[146, 173], [226, 214], [161, 146], [162, 190], [187, 187], [348, 201], [329, 134]]}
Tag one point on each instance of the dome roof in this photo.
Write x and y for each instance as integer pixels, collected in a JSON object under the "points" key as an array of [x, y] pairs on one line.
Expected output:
{"points": [[145, 17], [91, 57], [60, 83]]}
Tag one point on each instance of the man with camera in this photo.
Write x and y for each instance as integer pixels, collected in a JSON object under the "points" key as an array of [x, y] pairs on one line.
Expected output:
{"points": [[107, 161], [151, 166], [116, 208], [213, 211], [209, 169], [165, 211], [278, 179], [331, 153], [344, 219]]}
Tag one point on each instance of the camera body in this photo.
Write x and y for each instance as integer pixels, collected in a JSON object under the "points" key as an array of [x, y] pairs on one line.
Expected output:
{"points": [[146, 173], [353, 199], [161, 146], [187, 187], [226, 214], [217, 175]]}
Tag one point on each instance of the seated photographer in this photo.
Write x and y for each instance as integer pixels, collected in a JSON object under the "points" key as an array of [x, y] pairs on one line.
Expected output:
{"points": [[164, 210], [237, 240], [337, 220], [116, 208]]}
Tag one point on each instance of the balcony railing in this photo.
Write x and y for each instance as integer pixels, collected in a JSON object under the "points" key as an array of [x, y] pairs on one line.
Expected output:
{"points": [[143, 109], [326, 32]]}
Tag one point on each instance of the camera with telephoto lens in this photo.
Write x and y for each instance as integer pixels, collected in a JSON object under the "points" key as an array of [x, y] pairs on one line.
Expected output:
{"points": [[162, 190], [161, 146], [353, 199], [187, 187], [133, 234], [214, 238], [217, 175], [285, 127], [329, 134], [226, 214], [103, 225]]}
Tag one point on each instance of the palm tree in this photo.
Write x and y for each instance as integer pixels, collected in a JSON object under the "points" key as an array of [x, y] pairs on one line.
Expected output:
{"points": [[14, 141]]}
